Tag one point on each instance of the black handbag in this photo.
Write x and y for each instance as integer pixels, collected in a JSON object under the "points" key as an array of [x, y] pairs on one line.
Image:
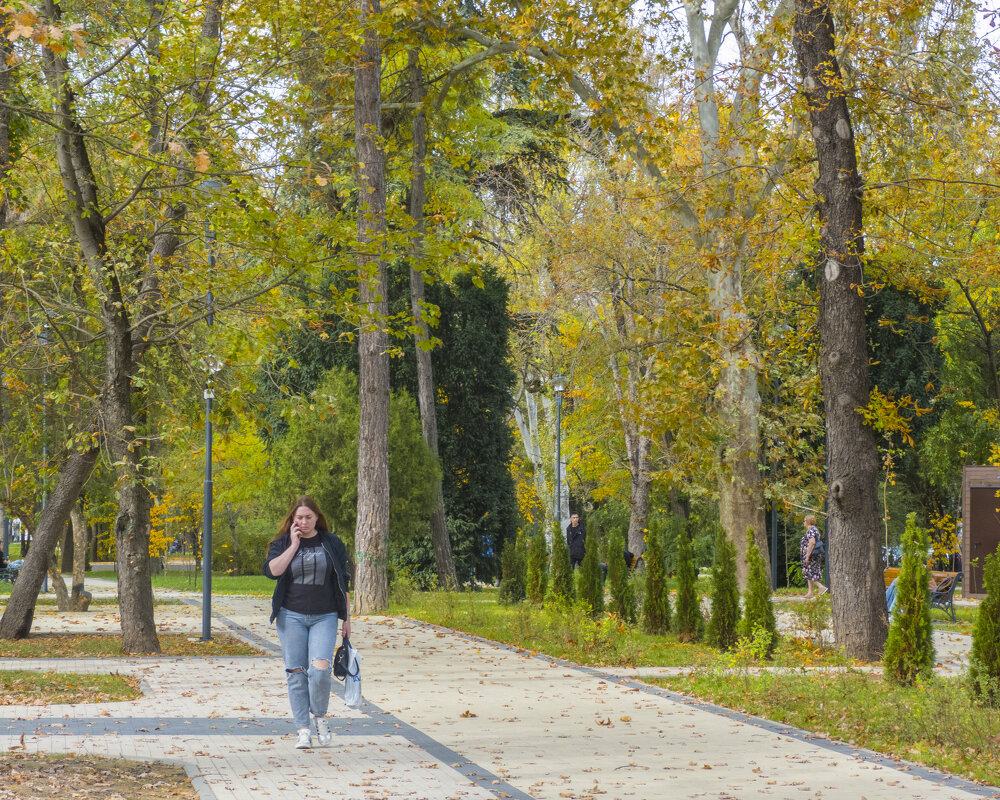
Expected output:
{"points": [[819, 549], [340, 659]]}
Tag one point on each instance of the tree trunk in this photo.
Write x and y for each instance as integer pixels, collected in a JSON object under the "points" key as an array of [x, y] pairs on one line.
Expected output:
{"points": [[425, 371], [66, 560], [58, 584], [372, 532], [133, 523], [20, 609], [79, 599], [855, 561]]}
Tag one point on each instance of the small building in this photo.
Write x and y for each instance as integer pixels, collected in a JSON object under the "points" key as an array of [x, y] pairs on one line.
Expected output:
{"points": [[980, 524]]}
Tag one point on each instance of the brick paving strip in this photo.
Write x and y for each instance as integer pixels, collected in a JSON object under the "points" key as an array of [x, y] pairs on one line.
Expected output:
{"points": [[451, 716]]}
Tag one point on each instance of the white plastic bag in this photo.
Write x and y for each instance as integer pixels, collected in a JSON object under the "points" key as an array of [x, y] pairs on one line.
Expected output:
{"points": [[352, 683]]}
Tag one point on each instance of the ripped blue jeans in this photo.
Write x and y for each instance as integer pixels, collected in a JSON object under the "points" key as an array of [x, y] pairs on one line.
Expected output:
{"points": [[306, 639]]}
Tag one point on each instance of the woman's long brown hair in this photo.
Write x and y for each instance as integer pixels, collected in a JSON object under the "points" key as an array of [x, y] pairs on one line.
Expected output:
{"points": [[308, 502]]}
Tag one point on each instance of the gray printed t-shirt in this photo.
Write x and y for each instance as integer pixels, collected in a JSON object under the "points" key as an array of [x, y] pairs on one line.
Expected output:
{"points": [[311, 588]]}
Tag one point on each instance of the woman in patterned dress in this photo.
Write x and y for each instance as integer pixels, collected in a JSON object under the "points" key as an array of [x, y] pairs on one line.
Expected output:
{"points": [[812, 570]]}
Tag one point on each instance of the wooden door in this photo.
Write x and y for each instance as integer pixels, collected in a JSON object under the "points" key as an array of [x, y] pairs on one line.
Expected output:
{"points": [[983, 533]]}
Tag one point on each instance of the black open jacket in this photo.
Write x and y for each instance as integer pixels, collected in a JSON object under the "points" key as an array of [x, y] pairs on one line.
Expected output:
{"points": [[337, 553]]}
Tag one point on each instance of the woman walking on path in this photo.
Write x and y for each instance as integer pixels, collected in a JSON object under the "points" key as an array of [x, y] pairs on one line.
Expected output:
{"points": [[812, 570], [313, 575]]}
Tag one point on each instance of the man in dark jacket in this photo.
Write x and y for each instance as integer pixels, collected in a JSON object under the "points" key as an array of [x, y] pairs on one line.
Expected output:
{"points": [[576, 538]]}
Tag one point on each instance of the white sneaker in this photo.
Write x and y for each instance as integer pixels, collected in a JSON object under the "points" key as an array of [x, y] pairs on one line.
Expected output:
{"points": [[323, 731], [305, 739]]}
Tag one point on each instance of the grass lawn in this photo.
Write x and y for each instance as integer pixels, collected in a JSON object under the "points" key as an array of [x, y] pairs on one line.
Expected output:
{"points": [[87, 777], [24, 687], [934, 724], [73, 645], [571, 634], [222, 583]]}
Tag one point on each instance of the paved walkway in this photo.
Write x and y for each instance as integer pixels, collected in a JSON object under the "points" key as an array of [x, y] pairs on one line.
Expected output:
{"points": [[448, 716]]}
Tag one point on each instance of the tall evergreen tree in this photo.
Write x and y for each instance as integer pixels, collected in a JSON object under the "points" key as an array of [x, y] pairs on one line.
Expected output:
{"points": [[622, 593], [725, 619], [562, 570], [538, 563], [758, 611], [590, 587], [984, 663], [514, 563], [656, 608], [688, 623], [909, 651]]}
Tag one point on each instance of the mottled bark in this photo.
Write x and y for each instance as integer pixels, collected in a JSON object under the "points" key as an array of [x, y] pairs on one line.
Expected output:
{"points": [[79, 599], [371, 537], [855, 561], [425, 371]]}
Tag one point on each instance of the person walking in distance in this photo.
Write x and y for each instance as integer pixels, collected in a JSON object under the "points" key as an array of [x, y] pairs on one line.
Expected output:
{"points": [[812, 568], [312, 592], [576, 539]]}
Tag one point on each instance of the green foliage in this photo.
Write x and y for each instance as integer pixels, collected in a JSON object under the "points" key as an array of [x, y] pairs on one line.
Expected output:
{"points": [[622, 594], [757, 608], [472, 377], [656, 607], [538, 567], [984, 661], [590, 580], [725, 619], [909, 652], [812, 617], [514, 571], [561, 586], [241, 547], [688, 622], [319, 456]]}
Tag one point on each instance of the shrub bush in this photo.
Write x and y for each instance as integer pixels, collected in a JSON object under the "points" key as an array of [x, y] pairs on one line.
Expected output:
{"points": [[622, 593], [984, 662], [909, 651], [561, 584], [590, 588], [538, 567], [758, 612], [514, 571], [656, 607], [725, 619], [688, 622]]}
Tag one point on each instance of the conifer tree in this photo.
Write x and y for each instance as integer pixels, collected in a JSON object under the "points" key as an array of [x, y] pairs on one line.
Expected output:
{"points": [[909, 651], [758, 612], [622, 593], [656, 609], [984, 663], [591, 582], [688, 623], [514, 567], [561, 586], [725, 619], [538, 567]]}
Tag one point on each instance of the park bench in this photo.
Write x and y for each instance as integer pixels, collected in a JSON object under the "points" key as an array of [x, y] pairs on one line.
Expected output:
{"points": [[943, 593]]}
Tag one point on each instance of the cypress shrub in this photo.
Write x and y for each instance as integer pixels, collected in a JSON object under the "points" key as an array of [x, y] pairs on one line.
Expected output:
{"points": [[984, 663], [561, 585], [591, 580], [656, 608], [513, 571], [909, 651], [538, 567], [725, 619], [757, 608], [688, 623], [622, 593]]}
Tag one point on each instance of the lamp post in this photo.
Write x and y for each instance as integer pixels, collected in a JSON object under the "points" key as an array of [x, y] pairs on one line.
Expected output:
{"points": [[44, 338], [559, 385], [212, 365]]}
